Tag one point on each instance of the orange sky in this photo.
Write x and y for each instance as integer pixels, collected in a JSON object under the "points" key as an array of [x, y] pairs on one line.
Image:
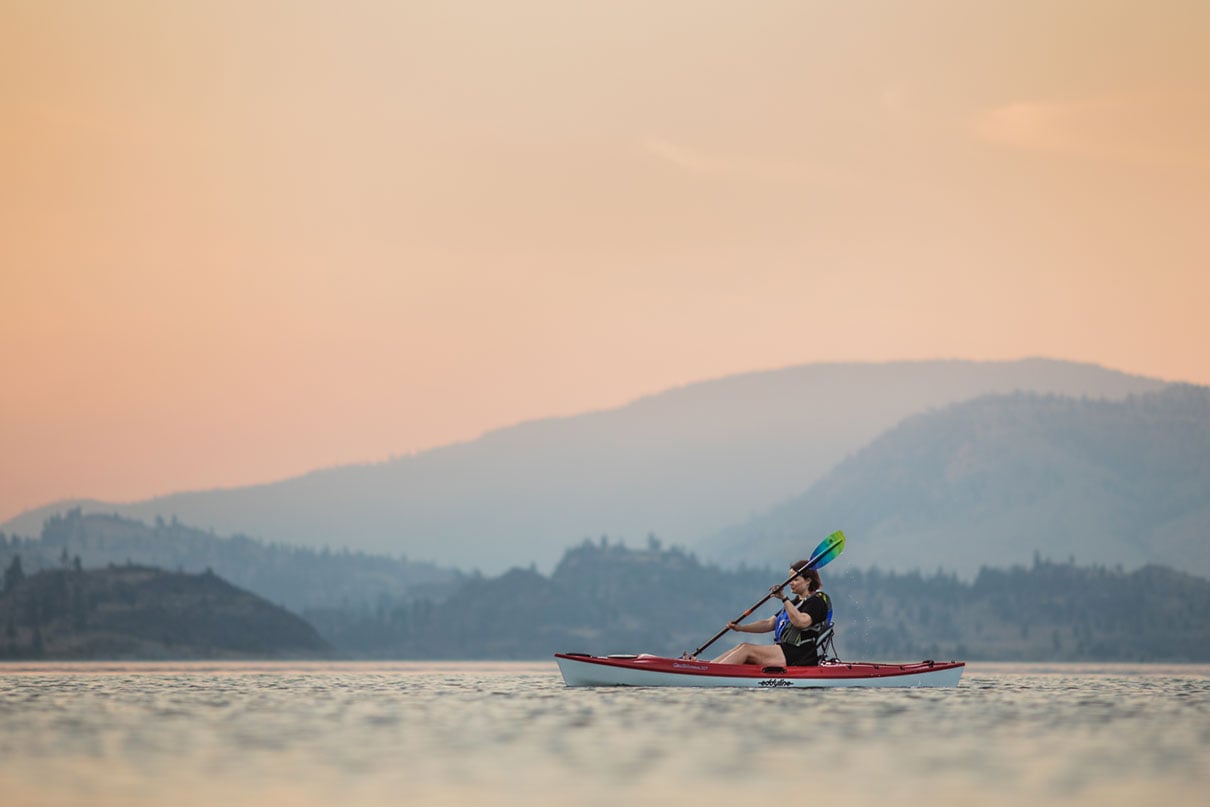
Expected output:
{"points": [[239, 241]]}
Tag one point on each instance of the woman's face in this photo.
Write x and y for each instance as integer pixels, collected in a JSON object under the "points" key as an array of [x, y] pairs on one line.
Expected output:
{"points": [[799, 584]]}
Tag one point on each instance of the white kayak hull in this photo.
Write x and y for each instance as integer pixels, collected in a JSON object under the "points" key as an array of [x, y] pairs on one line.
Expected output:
{"points": [[581, 670]]}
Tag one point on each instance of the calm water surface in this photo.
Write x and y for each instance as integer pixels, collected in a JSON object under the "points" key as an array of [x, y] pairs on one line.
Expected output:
{"points": [[452, 733]]}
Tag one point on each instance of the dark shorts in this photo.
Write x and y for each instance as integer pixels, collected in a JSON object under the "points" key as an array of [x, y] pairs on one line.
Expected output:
{"points": [[800, 655]]}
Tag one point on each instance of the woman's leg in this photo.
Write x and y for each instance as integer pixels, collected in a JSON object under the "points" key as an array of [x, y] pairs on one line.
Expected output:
{"points": [[767, 655]]}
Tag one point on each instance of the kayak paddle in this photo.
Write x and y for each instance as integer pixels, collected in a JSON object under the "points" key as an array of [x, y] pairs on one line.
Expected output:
{"points": [[827, 551]]}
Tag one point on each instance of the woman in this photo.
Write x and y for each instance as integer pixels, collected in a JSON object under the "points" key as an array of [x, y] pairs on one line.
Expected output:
{"points": [[795, 627]]}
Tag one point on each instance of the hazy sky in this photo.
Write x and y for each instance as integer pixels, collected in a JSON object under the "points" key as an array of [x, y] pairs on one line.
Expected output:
{"points": [[241, 240]]}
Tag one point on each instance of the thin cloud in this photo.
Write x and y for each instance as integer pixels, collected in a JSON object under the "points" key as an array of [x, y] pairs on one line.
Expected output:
{"points": [[686, 159], [1170, 129], [742, 168]]}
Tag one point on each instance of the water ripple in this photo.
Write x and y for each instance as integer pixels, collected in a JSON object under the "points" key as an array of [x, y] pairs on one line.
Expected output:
{"points": [[513, 734]]}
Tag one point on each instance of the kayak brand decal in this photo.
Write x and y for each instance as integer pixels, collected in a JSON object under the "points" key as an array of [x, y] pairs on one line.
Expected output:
{"points": [[680, 666], [775, 682]]}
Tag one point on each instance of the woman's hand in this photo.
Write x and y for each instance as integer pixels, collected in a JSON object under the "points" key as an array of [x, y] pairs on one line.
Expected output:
{"points": [[777, 592], [734, 626]]}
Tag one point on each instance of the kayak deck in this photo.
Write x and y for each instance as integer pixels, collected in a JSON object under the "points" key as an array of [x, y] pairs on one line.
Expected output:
{"points": [[581, 669]]}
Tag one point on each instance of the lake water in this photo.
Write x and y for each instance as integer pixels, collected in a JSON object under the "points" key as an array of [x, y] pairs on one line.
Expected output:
{"points": [[503, 733]]}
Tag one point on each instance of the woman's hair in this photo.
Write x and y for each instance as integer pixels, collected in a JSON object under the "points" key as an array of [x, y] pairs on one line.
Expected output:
{"points": [[810, 575]]}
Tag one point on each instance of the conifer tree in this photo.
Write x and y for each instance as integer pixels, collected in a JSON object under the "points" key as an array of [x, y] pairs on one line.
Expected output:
{"points": [[14, 574]]}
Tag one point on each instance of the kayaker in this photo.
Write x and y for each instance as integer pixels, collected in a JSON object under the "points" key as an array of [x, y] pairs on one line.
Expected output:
{"points": [[795, 627]]}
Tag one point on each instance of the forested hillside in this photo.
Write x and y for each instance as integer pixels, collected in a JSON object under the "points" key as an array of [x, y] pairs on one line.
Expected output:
{"points": [[605, 598], [136, 612]]}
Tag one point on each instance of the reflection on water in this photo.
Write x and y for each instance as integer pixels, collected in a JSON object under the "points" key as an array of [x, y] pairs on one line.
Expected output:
{"points": [[451, 733]]}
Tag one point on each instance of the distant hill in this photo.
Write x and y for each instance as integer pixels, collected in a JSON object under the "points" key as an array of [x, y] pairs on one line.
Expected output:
{"points": [[137, 612], [680, 464], [606, 598], [294, 577], [991, 481]]}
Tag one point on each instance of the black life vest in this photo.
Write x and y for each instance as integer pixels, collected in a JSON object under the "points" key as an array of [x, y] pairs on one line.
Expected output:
{"points": [[784, 631]]}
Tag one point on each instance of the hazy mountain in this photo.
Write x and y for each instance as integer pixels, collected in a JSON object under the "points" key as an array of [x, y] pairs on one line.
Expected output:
{"points": [[988, 482], [291, 576], [679, 464]]}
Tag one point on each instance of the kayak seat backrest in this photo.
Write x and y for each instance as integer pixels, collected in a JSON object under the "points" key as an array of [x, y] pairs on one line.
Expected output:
{"points": [[823, 643]]}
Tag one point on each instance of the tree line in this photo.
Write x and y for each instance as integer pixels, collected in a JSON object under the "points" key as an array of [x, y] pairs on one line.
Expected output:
{"points": [[133, 611], [605, 598]]}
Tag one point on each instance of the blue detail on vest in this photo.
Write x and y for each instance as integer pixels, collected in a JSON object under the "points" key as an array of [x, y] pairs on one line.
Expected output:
{"points": [[783, 619]]}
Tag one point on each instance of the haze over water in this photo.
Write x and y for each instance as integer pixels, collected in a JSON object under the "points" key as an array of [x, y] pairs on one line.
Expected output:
{"points": [[512, 733]]}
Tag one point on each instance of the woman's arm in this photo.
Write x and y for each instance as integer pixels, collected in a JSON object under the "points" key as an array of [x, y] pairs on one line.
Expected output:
{"points": [[761, 626], [798, 619]]}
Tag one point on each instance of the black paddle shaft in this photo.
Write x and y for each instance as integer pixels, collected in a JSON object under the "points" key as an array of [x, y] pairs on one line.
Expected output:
{"points": [[748, 613]]}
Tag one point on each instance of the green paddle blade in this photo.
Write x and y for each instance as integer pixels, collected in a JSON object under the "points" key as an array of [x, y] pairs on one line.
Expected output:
{"points": [[827, 551]]}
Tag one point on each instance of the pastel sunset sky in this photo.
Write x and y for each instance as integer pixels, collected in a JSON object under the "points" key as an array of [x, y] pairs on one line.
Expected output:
{"points": [[240, 240]]}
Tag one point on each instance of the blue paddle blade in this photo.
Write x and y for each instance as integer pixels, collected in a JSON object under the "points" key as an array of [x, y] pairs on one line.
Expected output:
{"points": [[827, 551]]}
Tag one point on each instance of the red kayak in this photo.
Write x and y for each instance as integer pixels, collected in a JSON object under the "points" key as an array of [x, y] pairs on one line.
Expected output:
{"points": [[583, 670]]}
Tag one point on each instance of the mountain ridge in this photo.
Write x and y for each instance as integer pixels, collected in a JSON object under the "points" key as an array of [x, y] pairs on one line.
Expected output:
{"points": [[1106, 481], [291, 576], [677, 463]]}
